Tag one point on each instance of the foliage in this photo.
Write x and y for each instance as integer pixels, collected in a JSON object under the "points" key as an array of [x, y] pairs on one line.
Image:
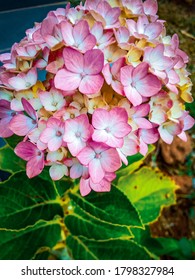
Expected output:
{"points": [[109, 225]]}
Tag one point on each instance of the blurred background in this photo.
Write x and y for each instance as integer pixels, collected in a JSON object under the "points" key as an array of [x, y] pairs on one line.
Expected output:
{"points": [[178, 159]]}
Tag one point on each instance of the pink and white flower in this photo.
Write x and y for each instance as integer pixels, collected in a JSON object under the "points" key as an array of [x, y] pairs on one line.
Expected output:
{"points": [[110, 126], [52, 100], [77, 133], [158, 61], [21, 124], [144, 29], [139, 83], [29, 152], [6, 115], [24, 80], [147, 136], [100, 159], [78, 36], [52, 135], [82, 71], [87, 184]]}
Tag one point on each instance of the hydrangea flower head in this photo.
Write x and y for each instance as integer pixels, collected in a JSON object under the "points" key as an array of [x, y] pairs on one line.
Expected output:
{"points": [[114, 83]]}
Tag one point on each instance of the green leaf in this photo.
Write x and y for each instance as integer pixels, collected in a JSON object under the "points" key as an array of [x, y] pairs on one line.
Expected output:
{"points": [[84, 249], [13, 140], [81, 223], [64, 185], [23, 244], [182, 249], [134, 162], [104, 206], [149, 190], [9, 161], [24, 201]]}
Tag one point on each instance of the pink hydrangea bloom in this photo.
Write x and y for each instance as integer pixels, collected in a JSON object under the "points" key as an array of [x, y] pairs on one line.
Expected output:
{"points": [[78, 36], [110, 127], [21, 124], [138, 82], [157, 60], [52, 135], [87, 184], [77, 132], [112, 83], [29, 152], [82, 71], [144, 29], [6, 115], [23, 81], [99, 158]]}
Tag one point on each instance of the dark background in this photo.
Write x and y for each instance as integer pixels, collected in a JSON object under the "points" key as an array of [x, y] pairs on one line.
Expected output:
{"points": [[15, 4], [17, 16]]}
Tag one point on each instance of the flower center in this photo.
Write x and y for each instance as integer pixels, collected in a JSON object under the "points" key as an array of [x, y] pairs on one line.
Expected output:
{"points": [[78, 134], [58, 133], [108, 130], [133, 84], [98, 156]]}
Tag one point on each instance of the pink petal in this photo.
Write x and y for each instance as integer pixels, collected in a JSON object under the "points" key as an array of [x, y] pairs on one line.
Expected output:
{"points": [[55, 143], [47, 134], [143, 123], [188, 122], [93, 62], [153, 30], [112, 16], [34, 166], [118, 114], [66, 80], [140, 72], [107, 74], [183, 136], [80, 31], [117, 65], [91, 84], [100, 136], [21, 124], [29, 109], [96, 171], [110, 160], [143, 148], [165, 135], [74, 60], [76, 146], [84, 187], [103, 186], [148, 86], [17, 83], [150, 7], [86, 155], [4, 128], [121, 129], [100, 118], [88, 43], [57, 171], [133, 95], [48, 25], [31, 77], [149, 136], [126, 75], [25, 150], [67, 33], [76, 171], [114, 142]]}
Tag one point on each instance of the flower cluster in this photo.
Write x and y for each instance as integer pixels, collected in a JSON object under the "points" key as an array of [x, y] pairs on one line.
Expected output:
{"points": [[91, 85]]}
